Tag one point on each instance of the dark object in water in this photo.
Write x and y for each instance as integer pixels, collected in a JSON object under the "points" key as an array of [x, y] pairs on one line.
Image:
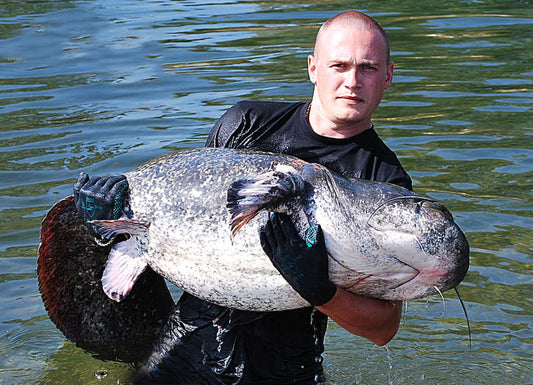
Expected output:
{"points": [[70, 267]]}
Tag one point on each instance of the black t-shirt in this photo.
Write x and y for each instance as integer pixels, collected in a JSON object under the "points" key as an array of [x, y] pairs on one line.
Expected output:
{"points": [[282, 127], [209, 344]]}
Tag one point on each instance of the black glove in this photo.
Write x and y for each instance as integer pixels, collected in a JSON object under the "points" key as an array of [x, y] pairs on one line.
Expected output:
{"points": [[304, 264], [101, 197]]}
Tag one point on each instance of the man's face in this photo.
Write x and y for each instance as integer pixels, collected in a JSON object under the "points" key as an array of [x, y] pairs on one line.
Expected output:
{"points": [[350, 73]]}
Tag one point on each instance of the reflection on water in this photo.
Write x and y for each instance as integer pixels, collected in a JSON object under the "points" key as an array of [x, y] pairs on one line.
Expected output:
{"points": [[103, 86]]}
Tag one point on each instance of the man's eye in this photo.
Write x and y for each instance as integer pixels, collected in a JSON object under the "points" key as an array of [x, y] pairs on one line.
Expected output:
{"points": [[369, 67], [339, 65]]}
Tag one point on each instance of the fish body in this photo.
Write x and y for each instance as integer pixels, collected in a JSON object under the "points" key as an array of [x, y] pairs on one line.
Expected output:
{"points": [[196, 216]]}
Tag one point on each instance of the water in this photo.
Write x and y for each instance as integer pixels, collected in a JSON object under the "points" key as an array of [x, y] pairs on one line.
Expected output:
{"points": [[103, 86]]}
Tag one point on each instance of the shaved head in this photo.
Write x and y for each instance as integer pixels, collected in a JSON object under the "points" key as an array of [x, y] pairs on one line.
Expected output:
{"points": [[350, 69], [352, 20]]}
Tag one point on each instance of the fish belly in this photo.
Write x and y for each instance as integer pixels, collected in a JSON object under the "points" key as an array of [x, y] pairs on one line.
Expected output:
{"points": [[190, 242]]}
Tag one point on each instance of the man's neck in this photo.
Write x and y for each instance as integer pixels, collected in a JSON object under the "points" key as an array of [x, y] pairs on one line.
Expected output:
{"points": [[327, 128]]}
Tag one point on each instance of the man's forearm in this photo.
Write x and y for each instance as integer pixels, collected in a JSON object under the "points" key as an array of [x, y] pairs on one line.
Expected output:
{"points": [[373, 319]]}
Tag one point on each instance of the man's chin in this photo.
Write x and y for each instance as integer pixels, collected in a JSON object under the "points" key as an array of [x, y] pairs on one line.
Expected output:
{"points": [[352, 118]]}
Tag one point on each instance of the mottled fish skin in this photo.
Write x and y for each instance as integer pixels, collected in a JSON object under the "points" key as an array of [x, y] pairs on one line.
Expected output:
{"points": [[384, 241]]}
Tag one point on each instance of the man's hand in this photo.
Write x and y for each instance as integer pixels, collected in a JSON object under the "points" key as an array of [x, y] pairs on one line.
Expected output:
{"points": [[101, 197], [304, 264]]}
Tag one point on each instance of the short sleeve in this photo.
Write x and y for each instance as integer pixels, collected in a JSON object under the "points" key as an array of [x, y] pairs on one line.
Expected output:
{"points": [[226, 130]]}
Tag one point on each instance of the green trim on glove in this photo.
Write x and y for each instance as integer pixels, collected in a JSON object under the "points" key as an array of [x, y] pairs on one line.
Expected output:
{"points": [[101, 197]]}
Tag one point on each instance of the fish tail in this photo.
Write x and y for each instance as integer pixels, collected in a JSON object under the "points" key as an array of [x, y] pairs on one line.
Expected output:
{"points": [[247, 197], [69, 271]]}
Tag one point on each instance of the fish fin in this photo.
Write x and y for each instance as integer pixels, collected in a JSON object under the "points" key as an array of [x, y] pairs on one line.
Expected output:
{"points": [[109, 229], [247, 197], [69, 271], [122, 269]]}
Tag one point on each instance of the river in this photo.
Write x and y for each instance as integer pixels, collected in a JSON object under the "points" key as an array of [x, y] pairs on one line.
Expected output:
{"points": [[103, 86]]}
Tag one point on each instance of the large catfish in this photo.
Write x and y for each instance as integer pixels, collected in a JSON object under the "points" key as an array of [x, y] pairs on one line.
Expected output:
{"points": [[195, 222]]}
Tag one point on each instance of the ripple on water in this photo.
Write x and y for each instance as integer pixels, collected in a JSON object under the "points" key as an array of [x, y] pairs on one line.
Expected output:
{"points": [[104, 86]]}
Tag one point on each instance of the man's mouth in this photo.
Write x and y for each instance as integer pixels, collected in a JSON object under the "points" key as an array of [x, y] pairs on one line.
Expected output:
{"points": [[352, 99]]}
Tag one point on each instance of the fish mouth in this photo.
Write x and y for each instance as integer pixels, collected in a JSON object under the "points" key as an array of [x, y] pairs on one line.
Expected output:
{"points": [[406, 286], [384, 282], [403, 279]]}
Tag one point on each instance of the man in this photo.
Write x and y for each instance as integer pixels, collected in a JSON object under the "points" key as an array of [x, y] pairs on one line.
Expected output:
{"points": [[207, 344]]}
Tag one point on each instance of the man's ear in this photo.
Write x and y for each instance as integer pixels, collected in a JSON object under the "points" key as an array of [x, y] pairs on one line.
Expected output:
{"points": [[311, 68], [388, 79]]}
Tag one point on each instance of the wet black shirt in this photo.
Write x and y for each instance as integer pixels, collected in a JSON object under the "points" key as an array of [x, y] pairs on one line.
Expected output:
{"points": [[205, 343], [283, 128]]}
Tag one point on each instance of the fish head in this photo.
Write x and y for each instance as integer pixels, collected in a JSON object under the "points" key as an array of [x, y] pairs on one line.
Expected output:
{"points": [[420, 250]]}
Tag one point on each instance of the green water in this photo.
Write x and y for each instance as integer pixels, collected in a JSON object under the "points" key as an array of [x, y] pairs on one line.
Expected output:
{"points": [[103, 86]]}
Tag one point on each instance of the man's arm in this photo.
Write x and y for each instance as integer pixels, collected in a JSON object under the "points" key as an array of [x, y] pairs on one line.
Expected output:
{"points": [[373, 319], [304, 264]]}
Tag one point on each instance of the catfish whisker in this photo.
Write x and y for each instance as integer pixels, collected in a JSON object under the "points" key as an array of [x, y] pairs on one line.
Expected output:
{"points": [[404, 312], [466, 316], [443, 302]]}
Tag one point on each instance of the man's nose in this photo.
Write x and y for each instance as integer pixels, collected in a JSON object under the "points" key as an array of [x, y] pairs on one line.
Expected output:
{"points": [[352, 78]]}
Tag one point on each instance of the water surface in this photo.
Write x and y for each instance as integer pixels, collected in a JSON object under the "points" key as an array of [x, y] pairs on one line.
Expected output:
{"points": [[102, 86]]}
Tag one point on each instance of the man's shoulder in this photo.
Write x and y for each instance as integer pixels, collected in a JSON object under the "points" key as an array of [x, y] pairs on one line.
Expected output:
{"points": [[386, 165], [373, 143], [262, 106], [247, 121]]}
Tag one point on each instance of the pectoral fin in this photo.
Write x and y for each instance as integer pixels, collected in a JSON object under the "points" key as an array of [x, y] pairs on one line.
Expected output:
{"points": [[247, 197], [109, 229], [124, 265], [125, 262]]}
